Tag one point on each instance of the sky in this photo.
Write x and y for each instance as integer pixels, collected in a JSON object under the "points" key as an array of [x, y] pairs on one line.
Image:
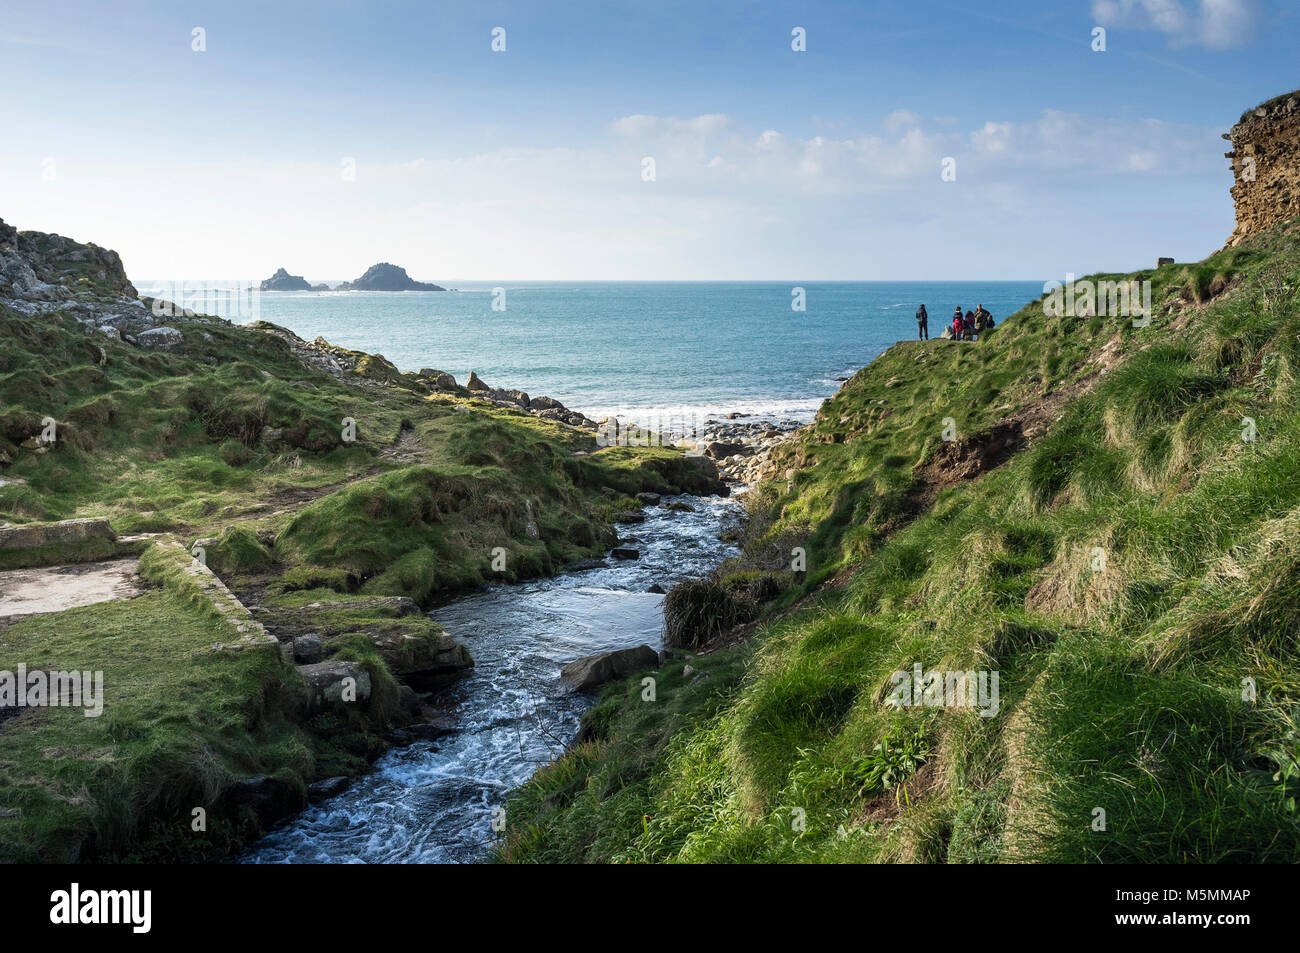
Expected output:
{"points": [[617, 140]]}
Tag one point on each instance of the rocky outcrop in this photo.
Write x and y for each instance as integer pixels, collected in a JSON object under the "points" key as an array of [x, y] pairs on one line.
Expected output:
{"points": [[37, 266], [420, 660], [440, 379], [386, 277], [1266, 166], [283, 281], [416, 650], [43, 273], [592, 671]]}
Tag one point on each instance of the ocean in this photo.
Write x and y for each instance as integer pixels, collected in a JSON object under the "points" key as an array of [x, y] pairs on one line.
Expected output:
{"points": [[649, 351]]}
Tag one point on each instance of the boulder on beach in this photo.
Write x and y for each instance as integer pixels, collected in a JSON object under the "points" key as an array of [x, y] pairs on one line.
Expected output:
{"points": [[718, 450], [505, 396], [592, 671], [476, 383]]}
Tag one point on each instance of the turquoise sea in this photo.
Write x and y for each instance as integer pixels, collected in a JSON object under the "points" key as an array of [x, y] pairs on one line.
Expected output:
{"points": [[646, 350]]}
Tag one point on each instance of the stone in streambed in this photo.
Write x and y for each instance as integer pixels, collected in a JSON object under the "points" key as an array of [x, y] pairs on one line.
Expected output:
{"points": [[326, 788], [327, 683], [586, 674]]}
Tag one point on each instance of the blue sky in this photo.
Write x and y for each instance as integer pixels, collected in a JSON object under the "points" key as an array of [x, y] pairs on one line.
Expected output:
{"points": [[528, 163]]}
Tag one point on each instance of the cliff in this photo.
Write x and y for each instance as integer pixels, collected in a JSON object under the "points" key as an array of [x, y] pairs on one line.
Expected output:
{"points": [[1266, 166]]}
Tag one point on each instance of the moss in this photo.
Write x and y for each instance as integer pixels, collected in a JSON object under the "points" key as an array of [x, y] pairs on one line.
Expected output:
{"points": [[238, 551]]}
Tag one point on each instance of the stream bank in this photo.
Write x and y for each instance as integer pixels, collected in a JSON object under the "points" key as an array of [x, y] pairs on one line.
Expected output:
{"points": [[433, 800]]}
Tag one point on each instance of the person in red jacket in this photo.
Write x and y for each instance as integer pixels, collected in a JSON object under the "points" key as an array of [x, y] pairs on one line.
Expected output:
{"points": [[956, 324]]}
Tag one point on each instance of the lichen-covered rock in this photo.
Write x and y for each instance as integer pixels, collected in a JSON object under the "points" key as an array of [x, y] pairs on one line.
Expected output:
{"points": [[420, 659], [336, 683], [45, 267], [159, 337], [441, 379]]}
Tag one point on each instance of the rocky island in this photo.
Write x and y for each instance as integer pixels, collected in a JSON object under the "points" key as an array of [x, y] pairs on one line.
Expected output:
{"points": [[283, 281], [387, 277]]}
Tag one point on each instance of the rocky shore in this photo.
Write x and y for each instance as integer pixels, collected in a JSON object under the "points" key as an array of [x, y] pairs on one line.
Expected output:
{"points": [[742, 446], [42, 273]]}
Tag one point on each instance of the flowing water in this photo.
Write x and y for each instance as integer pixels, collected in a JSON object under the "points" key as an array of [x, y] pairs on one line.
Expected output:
{"points": [[663, 354], [433, 802]]}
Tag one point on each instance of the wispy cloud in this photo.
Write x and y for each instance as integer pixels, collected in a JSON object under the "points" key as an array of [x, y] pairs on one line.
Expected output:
{"points": [[1213, 24]]}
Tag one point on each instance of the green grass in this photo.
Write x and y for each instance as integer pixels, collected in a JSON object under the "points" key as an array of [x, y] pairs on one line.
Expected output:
{"points": [[179, 724], [229, 440], [1125, 680]]}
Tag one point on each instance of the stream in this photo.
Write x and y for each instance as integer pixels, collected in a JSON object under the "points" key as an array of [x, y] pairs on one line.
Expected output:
{"points": [[433, 801]]}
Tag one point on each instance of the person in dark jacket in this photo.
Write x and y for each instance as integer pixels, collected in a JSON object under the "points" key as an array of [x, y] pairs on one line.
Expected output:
{"points": [[969, 324], [922, 324], [982, 319]]}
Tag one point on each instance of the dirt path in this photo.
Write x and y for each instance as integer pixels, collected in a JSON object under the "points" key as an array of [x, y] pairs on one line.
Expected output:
{"points": [[55, 588]]}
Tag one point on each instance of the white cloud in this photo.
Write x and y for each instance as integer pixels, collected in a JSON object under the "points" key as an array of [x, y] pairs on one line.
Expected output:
{"points": [[901, 119], [727, 201], [1214, 24], [641, 125]]}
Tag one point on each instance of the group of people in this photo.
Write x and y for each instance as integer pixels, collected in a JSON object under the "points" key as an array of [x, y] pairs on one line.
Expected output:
{"points": [[965, 327]]}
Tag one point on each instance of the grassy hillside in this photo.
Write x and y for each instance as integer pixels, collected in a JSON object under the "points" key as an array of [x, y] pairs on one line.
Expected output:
{"points": [[1112, 529], [228, 440]]}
